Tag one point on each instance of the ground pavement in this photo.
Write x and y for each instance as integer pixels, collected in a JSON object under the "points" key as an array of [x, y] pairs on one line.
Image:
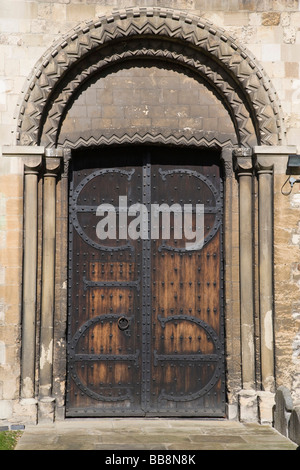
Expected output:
{"points": [[152, 434]]}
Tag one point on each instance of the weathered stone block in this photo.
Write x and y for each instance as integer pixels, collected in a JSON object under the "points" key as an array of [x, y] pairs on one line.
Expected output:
{"points": [[232, 411], [236, 19], [26, 411], [292, 69], [271, 52], [248, 406], [270, 18], [282, 410], [23, 10], [283, 5], [80, 12], [294, 425], [112, 111], [266, 402], [46, 410], [248, 5], [6, 409]]}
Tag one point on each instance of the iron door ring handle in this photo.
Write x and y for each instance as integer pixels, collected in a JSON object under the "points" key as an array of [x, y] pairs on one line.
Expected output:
{"points": [[123, 323]]}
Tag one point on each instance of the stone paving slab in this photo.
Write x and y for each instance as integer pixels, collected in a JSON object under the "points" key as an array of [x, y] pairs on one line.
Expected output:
{"points": [[152, 434]]}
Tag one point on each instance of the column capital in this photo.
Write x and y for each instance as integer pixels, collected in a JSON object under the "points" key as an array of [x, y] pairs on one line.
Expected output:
{"points": [[269, 159], [52, 166], [32, 156], [32, 165], [53, 162], [263, 166], [243, 161]]}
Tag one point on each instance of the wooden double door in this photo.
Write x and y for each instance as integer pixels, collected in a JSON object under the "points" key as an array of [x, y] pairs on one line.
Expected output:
{"points": [[145, 313]]}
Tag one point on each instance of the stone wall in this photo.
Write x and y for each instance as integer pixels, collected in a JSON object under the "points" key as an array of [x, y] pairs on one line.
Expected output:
{"points": [[139, 99], [287, 275], [270, 29], [11, 204]]}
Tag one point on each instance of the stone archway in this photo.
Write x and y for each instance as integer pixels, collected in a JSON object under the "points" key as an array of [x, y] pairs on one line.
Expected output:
{"points": [[180, 38], [196, 48]]}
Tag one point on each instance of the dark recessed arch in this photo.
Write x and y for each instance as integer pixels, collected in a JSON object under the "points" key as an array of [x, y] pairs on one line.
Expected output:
{"points": [[148, 62]]}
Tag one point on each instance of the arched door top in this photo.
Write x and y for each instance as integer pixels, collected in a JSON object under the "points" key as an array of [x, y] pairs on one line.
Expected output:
{"points": [[228, 66]]}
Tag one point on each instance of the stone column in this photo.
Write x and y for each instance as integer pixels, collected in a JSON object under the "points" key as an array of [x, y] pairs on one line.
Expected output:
{"points": [[52, 165], [244, 171], [31, 158], [268, 161], [231, 285], [265, 248], [265, 263], [32, 168]]}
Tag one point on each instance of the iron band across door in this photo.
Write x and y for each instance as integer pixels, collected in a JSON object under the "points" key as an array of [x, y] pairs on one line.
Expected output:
{"points": [[80, 208], [82, 358], [145, 334], [188, 359], [135, 283]]}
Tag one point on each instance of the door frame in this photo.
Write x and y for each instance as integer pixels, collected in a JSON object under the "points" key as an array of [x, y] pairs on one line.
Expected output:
{"points": [[42, 167], [38, 124], [231, 306], [144, 149]]}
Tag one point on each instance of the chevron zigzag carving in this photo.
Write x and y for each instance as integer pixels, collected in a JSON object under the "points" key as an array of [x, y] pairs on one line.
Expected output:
{"points": [[144, 23]]}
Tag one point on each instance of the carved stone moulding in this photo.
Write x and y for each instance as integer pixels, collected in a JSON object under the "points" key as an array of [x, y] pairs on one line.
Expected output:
{"points": [[173, 137], [228, 67], [159, 56]]}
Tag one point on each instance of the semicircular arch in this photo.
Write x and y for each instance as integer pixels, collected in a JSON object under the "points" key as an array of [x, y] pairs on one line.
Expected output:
{"points": [[151, 33]]}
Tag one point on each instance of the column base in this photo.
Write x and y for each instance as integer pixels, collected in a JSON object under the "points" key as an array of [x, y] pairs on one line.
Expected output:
{"points": [[248, 412], [26, 410], [256, 406], [232, 411], [266, 403], [46, 410]]}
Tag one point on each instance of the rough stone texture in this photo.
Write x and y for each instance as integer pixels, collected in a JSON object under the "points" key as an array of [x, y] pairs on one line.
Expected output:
{"points": [[10, 280], [286, 254], [266, 402], [271, 19], [248, 406], [47, 91], [294, 425], [146, 100], [27, 29], [65, 15], [283, 409]]}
